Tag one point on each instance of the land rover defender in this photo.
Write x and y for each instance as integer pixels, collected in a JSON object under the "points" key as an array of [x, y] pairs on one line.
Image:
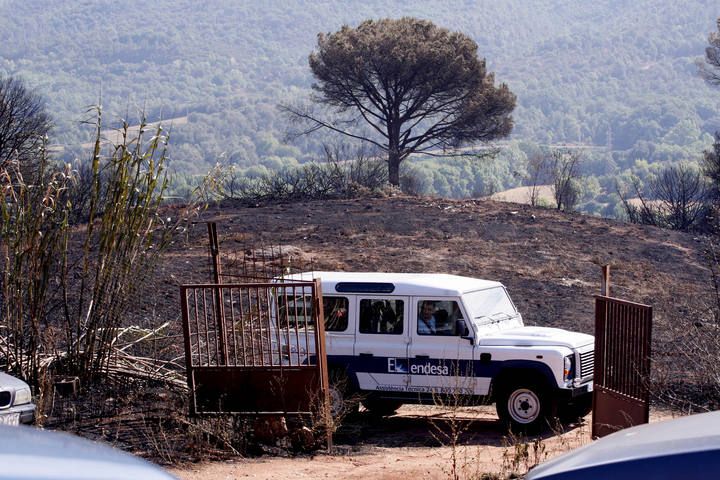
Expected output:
{"points": [[400, 338]]}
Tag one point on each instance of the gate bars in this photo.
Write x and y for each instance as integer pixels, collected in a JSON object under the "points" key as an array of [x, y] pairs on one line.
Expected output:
{"points": [[255, 348], [623, 337]]}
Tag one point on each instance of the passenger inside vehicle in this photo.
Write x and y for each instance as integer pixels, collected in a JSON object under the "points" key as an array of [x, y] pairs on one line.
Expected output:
{"points": [[381, 316]]}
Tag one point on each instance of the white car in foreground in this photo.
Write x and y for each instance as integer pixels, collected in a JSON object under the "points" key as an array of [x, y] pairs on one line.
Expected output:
{"points": [[29, 453], [16, 405]]}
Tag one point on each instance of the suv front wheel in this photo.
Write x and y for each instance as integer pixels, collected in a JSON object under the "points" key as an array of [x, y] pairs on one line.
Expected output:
{"points": [[524, 406]]}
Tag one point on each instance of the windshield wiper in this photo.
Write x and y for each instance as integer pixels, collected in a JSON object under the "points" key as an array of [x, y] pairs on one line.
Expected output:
{"points": [[497, 317]]}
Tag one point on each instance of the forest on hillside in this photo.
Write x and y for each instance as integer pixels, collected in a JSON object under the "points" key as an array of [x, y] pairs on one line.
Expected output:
{"points": [[617, 76]]}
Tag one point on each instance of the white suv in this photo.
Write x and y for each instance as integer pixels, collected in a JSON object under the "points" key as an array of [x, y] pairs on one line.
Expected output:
{"points": [[407, 338]]}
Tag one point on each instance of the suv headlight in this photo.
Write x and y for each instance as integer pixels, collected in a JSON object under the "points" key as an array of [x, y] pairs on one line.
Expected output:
{"points": [[569, 368], [23, 396]]}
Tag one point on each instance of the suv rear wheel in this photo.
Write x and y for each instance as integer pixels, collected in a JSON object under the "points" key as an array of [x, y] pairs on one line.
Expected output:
{"points": [[343, 399], [381, 407]]}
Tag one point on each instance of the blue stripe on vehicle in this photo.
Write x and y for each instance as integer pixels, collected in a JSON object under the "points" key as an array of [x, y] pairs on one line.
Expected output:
{"points": [[433, 366]]}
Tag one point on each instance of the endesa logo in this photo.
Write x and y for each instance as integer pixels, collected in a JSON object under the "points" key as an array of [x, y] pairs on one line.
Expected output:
{"points": [[397, 365], [400, 365], [429, 369]]}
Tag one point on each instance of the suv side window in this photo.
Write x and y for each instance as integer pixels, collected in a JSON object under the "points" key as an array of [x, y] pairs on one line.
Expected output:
{"points": [[298, 311], [336, 313], [295, 312], [438, 317], [381, 316]]}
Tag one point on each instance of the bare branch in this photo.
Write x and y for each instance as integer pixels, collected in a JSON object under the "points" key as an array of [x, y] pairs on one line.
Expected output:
{"points": [[317, 124], [24, 123]]}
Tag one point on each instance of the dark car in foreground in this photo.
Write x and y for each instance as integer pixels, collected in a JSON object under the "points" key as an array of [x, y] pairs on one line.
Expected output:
{"points": [[687, 448], [30, 453], [15, 401]]}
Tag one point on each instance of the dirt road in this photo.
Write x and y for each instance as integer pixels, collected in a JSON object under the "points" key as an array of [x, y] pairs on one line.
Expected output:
{"points": [[405, 446]]}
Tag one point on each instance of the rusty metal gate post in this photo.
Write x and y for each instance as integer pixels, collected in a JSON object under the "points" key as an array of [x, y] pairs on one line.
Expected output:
{"points": [[219, 309], [621, 397], [322, 361]]}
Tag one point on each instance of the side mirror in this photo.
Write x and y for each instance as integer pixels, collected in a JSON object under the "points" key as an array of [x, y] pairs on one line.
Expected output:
{"points": [[463, 331]]}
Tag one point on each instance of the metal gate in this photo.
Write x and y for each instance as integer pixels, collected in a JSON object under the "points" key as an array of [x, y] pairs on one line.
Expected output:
{"points": [[622, 365], [255, 348]]}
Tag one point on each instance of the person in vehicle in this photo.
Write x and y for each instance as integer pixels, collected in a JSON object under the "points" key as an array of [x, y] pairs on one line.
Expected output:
{"points": [[427, 323]]}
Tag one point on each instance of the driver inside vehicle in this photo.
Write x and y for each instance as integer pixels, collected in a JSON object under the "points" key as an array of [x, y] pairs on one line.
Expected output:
{"points": [[439, 318], [427, 323]]}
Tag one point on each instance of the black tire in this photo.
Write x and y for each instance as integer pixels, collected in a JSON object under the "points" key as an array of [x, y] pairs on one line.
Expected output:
{"points": [[344, 401], [577, 410], [524, 405], [381, 407]]}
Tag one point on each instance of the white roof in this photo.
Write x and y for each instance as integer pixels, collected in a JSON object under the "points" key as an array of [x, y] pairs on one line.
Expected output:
{"points": [[406, 284]]}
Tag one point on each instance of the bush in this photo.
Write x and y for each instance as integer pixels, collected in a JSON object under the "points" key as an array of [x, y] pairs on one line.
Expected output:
{"points": [[340, 176]]}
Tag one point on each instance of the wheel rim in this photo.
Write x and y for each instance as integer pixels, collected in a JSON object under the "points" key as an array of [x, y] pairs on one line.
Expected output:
{"points": [[524, 406], [336, 402]]}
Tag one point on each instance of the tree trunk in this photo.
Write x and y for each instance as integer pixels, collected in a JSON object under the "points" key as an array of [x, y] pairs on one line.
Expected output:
{"points": [[394, 168], [394, 148]]}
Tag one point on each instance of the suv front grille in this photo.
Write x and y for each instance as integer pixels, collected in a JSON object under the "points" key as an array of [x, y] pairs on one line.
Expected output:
{"points": [[5, 399], [587, 363]]}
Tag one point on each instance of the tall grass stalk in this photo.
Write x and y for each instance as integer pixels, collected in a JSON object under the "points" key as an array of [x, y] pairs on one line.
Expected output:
{"points": [[122, 239]]}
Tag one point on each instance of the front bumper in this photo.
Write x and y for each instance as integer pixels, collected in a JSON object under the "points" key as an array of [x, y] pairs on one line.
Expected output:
{"points": [[574, 393], [25, 412]]}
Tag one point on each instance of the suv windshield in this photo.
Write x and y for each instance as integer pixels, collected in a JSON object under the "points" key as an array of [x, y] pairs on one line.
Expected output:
{"points": [[488, 306]]}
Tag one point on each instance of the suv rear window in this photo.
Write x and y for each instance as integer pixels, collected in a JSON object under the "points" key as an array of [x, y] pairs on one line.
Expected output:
{"points": [[381, 316]]}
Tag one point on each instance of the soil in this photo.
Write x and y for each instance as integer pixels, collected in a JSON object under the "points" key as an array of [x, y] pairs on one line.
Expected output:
{"points": [[407, 445], [550, 261]]}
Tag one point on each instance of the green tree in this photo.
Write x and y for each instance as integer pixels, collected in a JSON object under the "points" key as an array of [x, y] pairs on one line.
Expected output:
{"points": [[405, 86]]}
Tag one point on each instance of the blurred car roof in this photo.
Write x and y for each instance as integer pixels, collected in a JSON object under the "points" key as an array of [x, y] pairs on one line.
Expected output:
{"points": [[30, 453], [8, 381], [686, 447]]}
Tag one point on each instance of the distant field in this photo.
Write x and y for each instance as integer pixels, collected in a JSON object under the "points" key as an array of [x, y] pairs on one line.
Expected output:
{"points": [[522, 195], [636, 202], [545, 196], [114, 136]]}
